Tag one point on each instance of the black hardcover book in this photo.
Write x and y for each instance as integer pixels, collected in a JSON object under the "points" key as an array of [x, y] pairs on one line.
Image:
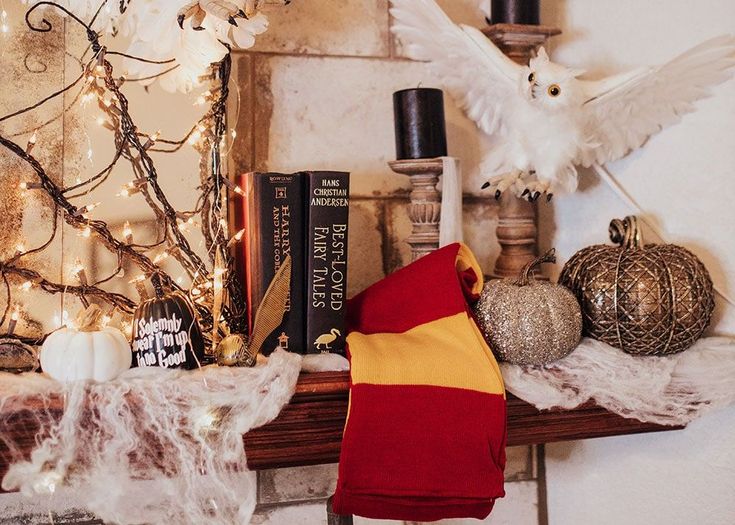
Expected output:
{"points": [[328, 199], [275, 229]]}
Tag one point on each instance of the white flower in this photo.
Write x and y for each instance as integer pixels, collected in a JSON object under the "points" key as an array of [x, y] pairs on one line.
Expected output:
{"points": [[154, 33], [157, 36]]}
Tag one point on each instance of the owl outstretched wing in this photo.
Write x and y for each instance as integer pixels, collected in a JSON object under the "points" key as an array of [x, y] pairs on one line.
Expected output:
{"points": [[621, 112], [475, 72]]}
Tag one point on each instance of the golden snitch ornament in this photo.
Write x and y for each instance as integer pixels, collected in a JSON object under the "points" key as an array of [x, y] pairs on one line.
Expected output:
{"points": [[527, 321], [237, 350]]}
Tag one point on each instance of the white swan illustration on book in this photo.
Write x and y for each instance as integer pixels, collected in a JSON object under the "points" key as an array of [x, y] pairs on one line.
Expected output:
{"points": [[327, 339]]}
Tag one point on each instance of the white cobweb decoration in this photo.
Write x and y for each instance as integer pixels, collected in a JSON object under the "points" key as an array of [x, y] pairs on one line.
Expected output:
{"points": [[152, 446], [672, 390]]}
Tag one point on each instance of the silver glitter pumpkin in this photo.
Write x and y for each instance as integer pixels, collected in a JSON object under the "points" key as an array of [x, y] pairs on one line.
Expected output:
{"points": [[527, 321]]}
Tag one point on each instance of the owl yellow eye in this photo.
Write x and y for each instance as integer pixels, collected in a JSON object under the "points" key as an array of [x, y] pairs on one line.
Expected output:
{"points": [[554, 90], [531, 77]]}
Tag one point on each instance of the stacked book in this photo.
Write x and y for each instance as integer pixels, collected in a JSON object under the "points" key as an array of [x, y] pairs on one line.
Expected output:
{"points": [[304, 215]]}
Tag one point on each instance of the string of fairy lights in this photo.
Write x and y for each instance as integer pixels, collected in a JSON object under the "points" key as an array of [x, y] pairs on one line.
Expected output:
{"points": [[97, 84]]}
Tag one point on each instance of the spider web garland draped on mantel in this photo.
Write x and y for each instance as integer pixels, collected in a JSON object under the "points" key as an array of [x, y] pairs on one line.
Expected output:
{"points": [[672, 390], [153, 445]]}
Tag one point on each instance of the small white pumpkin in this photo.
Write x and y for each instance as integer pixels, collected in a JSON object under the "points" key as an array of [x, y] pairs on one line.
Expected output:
{"points": [[87, 352]]}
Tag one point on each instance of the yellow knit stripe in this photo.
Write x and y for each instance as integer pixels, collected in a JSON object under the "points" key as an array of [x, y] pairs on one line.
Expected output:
{"points": [[466, 259], [448, 352]]}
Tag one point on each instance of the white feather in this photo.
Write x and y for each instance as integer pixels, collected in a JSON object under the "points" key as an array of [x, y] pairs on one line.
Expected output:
{"points": [[479, 77], [622, 118]]}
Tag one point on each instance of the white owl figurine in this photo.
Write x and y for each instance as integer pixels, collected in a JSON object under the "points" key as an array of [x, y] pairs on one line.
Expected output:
{"points": [[546, 120]]}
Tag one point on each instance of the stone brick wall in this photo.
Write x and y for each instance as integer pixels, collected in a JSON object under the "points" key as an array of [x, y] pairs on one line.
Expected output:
{"points": [[298, 495]]}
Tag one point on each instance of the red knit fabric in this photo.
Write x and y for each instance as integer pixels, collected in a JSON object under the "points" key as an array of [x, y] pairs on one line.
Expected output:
{"points": [[414, 451]]}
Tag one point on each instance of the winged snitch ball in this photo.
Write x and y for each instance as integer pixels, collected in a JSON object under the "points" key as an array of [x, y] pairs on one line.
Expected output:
{"points": [[528, 321]]}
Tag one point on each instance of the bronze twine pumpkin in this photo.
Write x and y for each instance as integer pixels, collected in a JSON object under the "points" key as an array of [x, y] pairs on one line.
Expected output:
{"points": [[528, 321], [651, 299]]}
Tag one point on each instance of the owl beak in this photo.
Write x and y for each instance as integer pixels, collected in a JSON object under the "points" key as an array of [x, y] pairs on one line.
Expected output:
{"points": [[532, 91]]}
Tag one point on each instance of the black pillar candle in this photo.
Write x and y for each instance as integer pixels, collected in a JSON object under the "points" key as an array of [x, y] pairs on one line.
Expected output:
{"points": [[515, 12], [419, 123]]}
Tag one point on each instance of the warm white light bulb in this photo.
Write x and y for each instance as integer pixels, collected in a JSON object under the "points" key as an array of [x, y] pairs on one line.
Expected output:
{"points": [[16, 313], [205, 421], [194, 137], [77, 268]]}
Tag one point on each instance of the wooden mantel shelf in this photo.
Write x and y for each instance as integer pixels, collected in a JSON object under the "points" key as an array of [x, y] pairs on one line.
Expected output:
{"points": [[309, 429]]}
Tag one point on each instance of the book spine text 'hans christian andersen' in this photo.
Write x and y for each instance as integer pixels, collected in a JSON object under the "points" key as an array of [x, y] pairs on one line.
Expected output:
{"points": [[326, 278]]}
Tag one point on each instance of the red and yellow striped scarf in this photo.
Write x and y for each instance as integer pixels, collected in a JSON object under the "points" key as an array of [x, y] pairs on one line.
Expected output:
{"points": [[425, 433]]}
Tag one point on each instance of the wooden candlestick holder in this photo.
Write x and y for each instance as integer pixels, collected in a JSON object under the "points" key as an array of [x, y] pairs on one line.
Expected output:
{"points": [[425, 208], [517, 229]]}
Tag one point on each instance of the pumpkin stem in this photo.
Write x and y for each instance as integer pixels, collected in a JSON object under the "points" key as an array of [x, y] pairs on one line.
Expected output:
{"points": [[626, 232], [525, 276], [88, 319]]}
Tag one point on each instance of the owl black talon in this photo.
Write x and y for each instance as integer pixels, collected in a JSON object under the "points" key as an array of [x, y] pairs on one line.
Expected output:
{"points": [[549, 196], [232, 21], [498, 193], [180, 19], [484, 185], [536, 196], [525, 192]]}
